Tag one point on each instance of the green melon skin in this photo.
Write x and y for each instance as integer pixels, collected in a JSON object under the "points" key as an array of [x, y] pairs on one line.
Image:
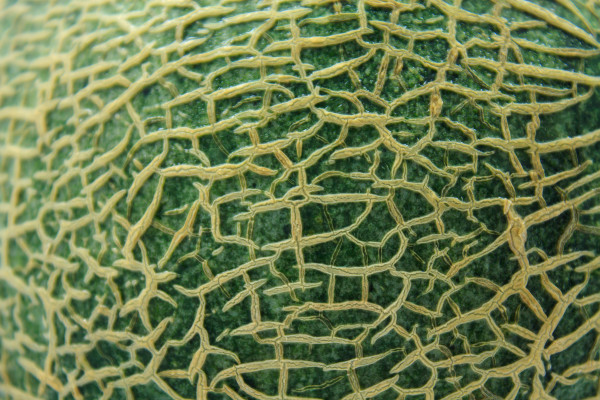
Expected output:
{"points": [[374, 199]]}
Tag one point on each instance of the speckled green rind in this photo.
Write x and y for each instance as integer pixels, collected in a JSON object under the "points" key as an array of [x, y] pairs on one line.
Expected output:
{"points": [[318, 199]]}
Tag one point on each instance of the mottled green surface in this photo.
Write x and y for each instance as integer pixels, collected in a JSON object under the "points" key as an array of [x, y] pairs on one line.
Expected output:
{"points": [[49, 292]]}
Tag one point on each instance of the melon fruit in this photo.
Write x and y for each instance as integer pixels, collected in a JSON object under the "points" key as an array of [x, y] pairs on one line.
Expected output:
{"points": [[370, 199]]}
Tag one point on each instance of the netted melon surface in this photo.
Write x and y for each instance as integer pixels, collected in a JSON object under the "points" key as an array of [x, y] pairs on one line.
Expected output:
{"points": [[291, 200]]}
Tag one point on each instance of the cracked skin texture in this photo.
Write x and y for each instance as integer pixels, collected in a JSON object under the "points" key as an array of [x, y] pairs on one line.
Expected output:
{"points": [[374, 199]]}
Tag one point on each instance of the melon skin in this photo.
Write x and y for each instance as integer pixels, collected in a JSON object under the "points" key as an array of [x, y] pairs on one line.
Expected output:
{"points": [[317, 199]]}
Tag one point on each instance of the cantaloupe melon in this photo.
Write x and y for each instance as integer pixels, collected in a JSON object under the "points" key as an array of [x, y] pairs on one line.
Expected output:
{"points": [[370, 199]]}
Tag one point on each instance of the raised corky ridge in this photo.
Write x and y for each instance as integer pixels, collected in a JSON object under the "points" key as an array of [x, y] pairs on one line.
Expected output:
{"points": [[285, 200]]}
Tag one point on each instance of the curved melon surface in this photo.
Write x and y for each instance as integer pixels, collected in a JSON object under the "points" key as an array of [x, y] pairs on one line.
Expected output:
{"points": [[299, 199]]}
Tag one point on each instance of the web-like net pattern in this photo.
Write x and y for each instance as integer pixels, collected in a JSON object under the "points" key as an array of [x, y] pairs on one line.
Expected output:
{"points": [[299, 199]]}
